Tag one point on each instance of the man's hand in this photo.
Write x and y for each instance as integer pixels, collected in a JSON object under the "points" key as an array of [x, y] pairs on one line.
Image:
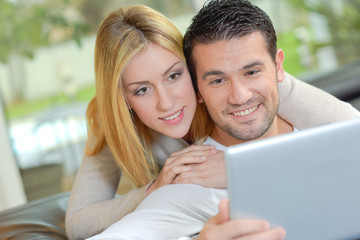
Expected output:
{"points": [[211, 173], [220, 227], [180, 162]]}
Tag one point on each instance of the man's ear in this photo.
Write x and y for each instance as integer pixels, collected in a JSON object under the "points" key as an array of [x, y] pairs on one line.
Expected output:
{"points": [[279, 65], [199, 98]]}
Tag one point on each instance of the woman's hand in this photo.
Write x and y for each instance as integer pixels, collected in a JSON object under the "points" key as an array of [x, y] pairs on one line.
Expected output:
{"points": [[220, 227], [211, 173], [180, 162]]}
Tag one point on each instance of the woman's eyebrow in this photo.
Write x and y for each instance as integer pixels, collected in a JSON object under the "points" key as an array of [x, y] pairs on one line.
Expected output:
{"points": [[137, 83], [147, 82], [169, 69]]}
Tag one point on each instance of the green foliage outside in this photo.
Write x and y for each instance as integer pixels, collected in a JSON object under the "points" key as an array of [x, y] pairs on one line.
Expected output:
{"points": [[26, 26], [343, 21], [289, 43]]}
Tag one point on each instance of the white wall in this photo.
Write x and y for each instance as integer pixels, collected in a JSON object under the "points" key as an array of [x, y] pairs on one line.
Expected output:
{"points": [[11, 189], [60, 68]]}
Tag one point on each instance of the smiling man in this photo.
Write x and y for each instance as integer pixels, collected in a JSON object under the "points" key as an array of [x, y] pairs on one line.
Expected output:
{"points": [[243, 76], [235, 58]]}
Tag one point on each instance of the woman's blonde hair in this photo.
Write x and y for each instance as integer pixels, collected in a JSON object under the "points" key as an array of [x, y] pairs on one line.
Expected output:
{"points": [[122, 35]]}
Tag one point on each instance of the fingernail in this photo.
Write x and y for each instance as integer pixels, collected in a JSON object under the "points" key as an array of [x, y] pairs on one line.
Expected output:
{"points": [[212, 151], [282, 233]]}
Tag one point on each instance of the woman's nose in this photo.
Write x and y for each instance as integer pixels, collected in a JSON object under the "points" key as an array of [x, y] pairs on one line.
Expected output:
{"points": [[164, 99]]}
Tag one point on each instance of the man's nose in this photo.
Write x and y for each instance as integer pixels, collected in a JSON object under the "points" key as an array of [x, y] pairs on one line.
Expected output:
{"points": [[240, 93]]}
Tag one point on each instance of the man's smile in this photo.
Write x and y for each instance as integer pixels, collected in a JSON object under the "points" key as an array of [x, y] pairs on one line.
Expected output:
{"points": [[245, 112]]}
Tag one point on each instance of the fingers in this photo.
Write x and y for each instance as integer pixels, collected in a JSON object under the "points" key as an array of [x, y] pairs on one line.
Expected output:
{"points": [[220, 227], [223, 215], [244, 229], [196, 150], [185, 159], [272, 234], [173, 167], [246, 226], [224, 211], [190, 177], [210, 173], [181, 162]]}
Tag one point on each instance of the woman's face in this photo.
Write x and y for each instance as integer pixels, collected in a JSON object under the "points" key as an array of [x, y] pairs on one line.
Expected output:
{"points": [[159, 90]]}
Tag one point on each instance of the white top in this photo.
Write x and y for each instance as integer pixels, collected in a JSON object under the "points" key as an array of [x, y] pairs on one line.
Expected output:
{"points": [[169, 212]]}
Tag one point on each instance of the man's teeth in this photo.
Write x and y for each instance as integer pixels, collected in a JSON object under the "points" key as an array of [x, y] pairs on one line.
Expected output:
{"points": [[173, 116], [246, 112]]}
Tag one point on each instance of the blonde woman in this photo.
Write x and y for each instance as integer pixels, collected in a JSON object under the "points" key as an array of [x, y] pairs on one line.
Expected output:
{"points": [[145, 109]]}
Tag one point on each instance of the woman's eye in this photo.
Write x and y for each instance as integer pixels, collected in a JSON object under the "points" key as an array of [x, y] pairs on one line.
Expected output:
{"points": [[141, 91], [174, 76]]}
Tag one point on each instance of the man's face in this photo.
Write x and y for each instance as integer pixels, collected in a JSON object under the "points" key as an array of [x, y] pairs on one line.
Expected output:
{"points": [[237, 80]]}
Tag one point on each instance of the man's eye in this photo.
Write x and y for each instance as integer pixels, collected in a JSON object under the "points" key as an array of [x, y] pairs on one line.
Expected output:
{"points": [[141, 91], [252, 72], [217, 81]]}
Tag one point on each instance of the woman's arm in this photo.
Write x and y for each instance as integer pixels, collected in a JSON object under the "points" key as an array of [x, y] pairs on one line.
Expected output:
{"points": [[305, 106], [93, 206]]}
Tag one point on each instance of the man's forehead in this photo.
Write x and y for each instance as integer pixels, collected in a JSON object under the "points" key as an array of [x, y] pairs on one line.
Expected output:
{"points": [[220, 53]]}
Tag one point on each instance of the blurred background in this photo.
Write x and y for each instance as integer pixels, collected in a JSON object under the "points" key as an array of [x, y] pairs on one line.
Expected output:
{"points": [[47, 75]]}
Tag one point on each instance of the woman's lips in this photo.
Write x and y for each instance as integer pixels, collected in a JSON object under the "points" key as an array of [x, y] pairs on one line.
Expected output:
{"points": [[174, 118]]}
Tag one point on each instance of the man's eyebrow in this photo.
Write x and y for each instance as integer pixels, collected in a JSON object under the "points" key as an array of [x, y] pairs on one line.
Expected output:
{"points": [[169, 69], [210, 73], [219, 73], [253, 64]]}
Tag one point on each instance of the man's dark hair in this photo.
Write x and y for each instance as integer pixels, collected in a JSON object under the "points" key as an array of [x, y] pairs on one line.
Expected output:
{"points": [[225, 20]]}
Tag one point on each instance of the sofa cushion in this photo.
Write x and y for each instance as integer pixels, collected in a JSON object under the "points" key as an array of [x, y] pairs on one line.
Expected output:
{"points": [[40, 219]]}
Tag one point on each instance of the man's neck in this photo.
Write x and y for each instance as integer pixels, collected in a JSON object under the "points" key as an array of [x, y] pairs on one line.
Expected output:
{"points": [[279, 126]]}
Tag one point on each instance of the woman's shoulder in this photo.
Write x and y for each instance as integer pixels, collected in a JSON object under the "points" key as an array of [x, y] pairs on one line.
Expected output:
{"points": [[163, 146]]}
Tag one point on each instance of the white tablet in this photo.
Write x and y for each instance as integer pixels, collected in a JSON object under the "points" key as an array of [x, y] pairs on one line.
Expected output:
{"points": [[307, 182]]}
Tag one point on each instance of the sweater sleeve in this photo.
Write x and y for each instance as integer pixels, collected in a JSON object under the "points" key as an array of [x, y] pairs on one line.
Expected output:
{"points": [[93, 206], [306, 106]]}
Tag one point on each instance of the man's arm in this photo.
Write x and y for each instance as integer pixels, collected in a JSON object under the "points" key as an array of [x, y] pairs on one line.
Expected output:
{"points": [[221, 227]]}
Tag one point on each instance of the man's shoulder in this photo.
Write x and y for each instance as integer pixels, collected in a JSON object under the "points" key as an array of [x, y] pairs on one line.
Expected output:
{"points": [[210, 141]]}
